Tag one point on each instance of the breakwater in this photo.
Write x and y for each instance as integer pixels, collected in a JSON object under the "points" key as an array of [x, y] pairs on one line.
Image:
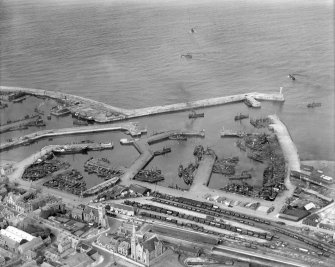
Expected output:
{"points": [[132, 129], [104, 113]]}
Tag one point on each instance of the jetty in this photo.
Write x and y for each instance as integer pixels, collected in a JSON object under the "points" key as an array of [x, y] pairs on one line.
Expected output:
{"points": [[203, 173], [132, 128], [104, 113]]}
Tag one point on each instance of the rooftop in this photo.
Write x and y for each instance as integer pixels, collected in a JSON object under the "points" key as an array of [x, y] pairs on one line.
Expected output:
{"points": [[16, 234]]}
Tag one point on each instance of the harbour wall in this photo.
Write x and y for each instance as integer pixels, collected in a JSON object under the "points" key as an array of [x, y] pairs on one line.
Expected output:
{"points": [[124, 114], [69, 131]]}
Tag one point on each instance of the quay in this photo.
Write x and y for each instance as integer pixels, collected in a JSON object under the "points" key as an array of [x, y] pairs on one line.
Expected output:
{"points": [[103, 113], [17, 124], [132, 128], [203, 173]]}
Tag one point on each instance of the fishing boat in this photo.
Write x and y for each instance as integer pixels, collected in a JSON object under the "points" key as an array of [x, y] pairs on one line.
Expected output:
{"points": [[291, 77], [60, 111], [80, 122], [314, 105], [162, 152], [194, 115], [241, 117], [187, 56]]}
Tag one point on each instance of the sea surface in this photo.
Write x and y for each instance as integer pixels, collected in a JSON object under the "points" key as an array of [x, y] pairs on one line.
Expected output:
{"points": [[128, 54]]}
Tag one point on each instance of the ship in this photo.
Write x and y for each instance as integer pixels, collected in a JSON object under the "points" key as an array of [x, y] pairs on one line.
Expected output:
{"points": [[314, 104], [187, 56], [180, 170], [80, 122], [60, 111], [242, 176], [194, 115], [19, 99], [241, 145], [230, 133], [79, 116], [255, 157], [150, 176], [241, 117], [291, 77], [69, 150], [162, 152]]}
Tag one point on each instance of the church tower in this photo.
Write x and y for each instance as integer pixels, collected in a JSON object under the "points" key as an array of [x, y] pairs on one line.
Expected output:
{"points": [[102, 216], [133, 243]]}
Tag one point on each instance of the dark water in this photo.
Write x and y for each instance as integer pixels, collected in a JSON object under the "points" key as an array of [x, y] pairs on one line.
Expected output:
{"points": [[128, 54]]}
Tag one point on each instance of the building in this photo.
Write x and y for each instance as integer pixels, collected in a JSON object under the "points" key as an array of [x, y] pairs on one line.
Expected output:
{"points": [[29, 255], [122, 209], [138, 189], [309, 206], [12, 237], [145, 251], [51, 254], [77, 212], [32, 245], [126, 228], [124, 248], [2, 261], [84, 248], [90, 214], [109, 241], [64, 244], [30, 201]]}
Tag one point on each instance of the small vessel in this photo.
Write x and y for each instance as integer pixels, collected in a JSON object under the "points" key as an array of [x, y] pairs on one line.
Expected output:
{"points": [[242, 176], [162, 152], [80, 122], [241, 117], [314, 104], [255, 157], [195, 115], [187, 56], [193, 30], [291, 77], [60, 111], [19, 99], [69, 150], [180, 170]]}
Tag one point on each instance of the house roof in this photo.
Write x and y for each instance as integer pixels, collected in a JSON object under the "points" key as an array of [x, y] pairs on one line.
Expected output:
{"points": [[91, 252], [103, 239], [16, 234], [150, 244], [124, 243], [89, 210], [139, 189]]}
